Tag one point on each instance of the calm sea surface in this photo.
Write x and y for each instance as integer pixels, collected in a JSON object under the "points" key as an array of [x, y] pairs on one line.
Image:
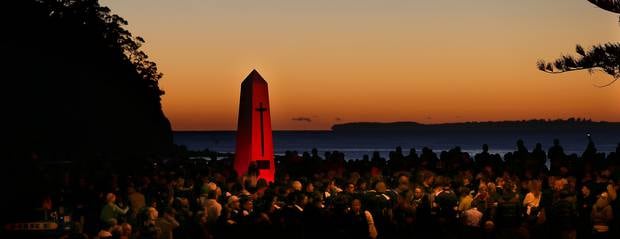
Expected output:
{"points": [[354, 145]]}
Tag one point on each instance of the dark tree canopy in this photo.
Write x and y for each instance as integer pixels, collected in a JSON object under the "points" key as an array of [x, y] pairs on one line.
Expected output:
{"points": [[75, 80], [604, 57], [609, 5]]}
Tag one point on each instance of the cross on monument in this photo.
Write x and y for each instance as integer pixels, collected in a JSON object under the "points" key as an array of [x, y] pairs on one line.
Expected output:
{"points": [[261, 110]]}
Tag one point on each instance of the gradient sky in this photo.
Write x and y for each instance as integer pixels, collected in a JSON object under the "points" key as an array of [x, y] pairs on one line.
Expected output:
{"points": [[336, 61]]}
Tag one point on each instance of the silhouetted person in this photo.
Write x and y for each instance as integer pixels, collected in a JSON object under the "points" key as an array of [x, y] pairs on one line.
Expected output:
{"points": [[556, 156], [483, 158], [428, 159], [602, 215], [412, 158], [446, 201], [293, 219], [590, 151], [537, 160], [167, 224], [563, 217], [360, 222], [422, 205], [614, 158], [585, 201], [111, 211], [508, 215], [515, 164]]}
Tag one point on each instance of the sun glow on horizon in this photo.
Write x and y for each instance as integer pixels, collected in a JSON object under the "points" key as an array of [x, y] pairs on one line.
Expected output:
{"points": [[349, 61]]}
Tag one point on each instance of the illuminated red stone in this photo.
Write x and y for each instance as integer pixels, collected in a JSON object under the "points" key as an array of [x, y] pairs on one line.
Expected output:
{"points": [[254, 138]]}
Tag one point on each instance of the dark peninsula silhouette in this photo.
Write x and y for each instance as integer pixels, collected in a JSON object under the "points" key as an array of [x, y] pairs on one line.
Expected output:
{"points": [[559, 125]]}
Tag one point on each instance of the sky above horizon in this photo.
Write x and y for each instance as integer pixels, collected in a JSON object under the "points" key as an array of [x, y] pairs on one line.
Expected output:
{"points": [[369, 60]]}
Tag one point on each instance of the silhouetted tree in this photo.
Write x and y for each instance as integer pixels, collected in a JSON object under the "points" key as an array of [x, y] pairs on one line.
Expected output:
{"points": [[604, 57], [75, 80]]}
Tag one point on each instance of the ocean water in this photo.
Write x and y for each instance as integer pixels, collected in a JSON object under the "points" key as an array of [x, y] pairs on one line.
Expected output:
{"points": [[356, 145]]}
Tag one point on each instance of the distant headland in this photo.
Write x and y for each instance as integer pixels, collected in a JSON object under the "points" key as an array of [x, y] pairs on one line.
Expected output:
{"points": [[560, 125]]}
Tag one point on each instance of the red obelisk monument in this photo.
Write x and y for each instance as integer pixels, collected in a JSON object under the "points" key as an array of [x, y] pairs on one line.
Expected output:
{"points": [[254, 140]]}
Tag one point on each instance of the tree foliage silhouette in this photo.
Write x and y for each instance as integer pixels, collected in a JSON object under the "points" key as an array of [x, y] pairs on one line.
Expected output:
{"points": [[603, 57], [77, 80], [609, 5]]}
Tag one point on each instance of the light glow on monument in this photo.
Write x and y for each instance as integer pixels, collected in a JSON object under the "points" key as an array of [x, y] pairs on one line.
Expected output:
{"points": [[254, 147]]}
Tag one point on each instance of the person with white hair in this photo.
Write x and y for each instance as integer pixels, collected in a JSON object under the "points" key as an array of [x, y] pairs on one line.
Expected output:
{"points": [[296, 185], [150, 229], [602, 215]]}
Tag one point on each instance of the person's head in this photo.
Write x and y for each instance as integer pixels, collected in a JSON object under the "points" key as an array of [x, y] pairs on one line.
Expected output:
{"points": [[380, 187], [605, 174], [218, 191], [559, 184], [316, 199], [152, 203], [491, 188], [418, 193], [211, 186], [300, 199], [602, 201], [464, 192], [510, 186], [444, 182], [296, 185], [331, 185], [556, 142], [585, 190], [485, 148], [309, 187], [126, 229], [350, 187], [110, 198], [265, 205], [111, 223], [489, 226], [234, 203], [483, 188], [247, 203], [47, 203], [535, 186], [466, 180], [152, 213], [212, 194], [170, 212], [428, 178], [403, 180], [564, 194], [476, 203], [499, 182], [356, 205], [104, 234]]}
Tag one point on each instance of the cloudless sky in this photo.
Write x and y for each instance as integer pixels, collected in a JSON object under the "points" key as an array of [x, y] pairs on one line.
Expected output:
{"points": [[337, 61]]}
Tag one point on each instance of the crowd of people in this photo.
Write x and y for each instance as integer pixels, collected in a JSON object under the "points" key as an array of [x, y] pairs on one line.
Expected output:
{"points": [[522, 194]]}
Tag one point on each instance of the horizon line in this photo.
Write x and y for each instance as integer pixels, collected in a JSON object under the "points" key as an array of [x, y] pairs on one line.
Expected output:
{"points": [[414, 122]]}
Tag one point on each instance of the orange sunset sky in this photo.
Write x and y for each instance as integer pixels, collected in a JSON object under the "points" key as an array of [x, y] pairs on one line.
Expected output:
{"points": [[370, 60]]}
